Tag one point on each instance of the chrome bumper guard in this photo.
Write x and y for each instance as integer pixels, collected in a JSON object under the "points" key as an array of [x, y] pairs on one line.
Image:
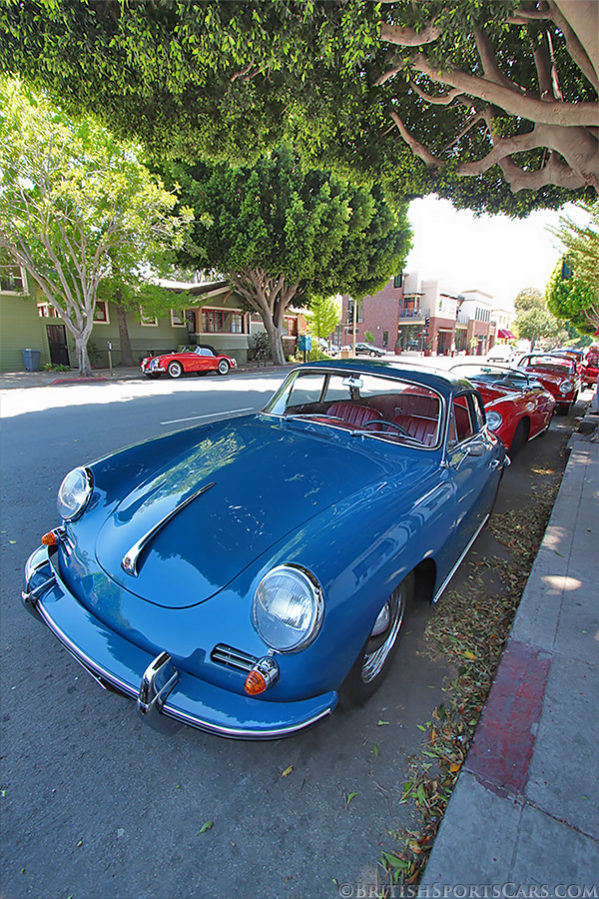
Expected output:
{"points": [[158, 680]]}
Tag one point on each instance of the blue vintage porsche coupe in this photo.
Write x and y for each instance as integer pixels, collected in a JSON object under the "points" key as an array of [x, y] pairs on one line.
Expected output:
{"points": [[247, 576]]}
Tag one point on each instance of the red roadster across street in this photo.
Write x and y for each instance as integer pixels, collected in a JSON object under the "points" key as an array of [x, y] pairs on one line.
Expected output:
{"points": [[197, 359], [517, 406], [557, 374]]}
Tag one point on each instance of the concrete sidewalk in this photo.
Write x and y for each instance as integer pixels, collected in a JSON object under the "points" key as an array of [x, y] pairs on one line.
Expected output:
{"points": [[524, 816], [24, 379]]}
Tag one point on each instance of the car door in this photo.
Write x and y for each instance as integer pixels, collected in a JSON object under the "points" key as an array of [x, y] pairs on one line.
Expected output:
{"points": [[474, 465]]}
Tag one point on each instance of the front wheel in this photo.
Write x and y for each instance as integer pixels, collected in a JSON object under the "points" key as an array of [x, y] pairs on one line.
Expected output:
{"points": [[223, 367], [563, 409], [372, 664], [519, 439], [175, 370]]}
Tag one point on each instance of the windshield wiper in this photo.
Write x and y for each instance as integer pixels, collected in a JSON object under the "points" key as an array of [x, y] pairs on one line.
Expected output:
{"points": [[385, 435]]}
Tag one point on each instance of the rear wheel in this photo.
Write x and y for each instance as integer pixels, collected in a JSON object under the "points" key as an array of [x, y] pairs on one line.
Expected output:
{"points": [[223, 367], [175, 370], [375, 657]]}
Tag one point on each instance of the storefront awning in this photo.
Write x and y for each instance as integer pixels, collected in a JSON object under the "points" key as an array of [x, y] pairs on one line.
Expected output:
{"points": [[504, 334]]}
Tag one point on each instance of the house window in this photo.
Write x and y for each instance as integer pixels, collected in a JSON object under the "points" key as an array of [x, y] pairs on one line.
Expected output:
{"points": [[222, 321], [45, 310], [101, 313], [177, 318], [290, 325], [398, 280], [149, 320], [12, 278]]}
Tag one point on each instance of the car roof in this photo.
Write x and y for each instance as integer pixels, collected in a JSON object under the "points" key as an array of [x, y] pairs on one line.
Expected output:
{"points": [[441, 381]]}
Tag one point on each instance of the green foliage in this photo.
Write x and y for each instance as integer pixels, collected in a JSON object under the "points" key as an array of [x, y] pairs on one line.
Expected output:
{"points": [[572, 300], [529, 298], [577, 298], [259, 347], [226, 80], [368, 336], [76, 206], [324, 316], [283, 235], [536, 323]]}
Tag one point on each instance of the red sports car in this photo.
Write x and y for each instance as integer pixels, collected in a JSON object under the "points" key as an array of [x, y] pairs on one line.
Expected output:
{"points": [[557, 374], [590, 366], [190, 359], [517, 406]]}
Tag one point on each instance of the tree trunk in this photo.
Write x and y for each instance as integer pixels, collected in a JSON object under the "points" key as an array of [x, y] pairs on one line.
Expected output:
{"points": [[82, 356], [126, 352], [275, 335]]}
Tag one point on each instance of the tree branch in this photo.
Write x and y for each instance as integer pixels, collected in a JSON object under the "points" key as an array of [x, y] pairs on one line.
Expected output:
{"points": [[511, 100], [419, 149], [443, 100], [409, 37], [575, 48]]}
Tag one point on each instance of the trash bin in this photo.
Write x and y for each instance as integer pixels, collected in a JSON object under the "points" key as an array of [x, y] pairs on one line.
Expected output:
{"points": [[31, 359]]}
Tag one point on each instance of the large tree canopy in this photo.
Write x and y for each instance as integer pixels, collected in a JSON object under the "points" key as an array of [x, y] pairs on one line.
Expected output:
{"points": [[492, 103], [283, 236]]}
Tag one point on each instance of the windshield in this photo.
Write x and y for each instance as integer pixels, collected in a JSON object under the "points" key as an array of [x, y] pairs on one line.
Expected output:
{"points": [[493, 375], [362, 404], [551, 363]]}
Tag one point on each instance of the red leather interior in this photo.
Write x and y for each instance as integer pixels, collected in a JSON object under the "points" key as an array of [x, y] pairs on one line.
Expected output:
{"points": [[423, 429], [354, 414]]}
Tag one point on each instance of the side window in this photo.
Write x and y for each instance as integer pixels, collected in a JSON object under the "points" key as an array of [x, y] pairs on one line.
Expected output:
{"points": [[306, 389], [462, 416], [479, 412]]}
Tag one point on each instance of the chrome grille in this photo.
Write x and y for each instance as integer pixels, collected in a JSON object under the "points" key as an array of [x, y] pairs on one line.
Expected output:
{"points": [[233, 658]]}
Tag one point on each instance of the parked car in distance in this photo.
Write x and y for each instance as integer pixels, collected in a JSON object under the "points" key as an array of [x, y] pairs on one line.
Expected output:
{"points": [[501, 353], [557, 374], [248, 575], [198, 359], [369, 349], [517, 406]]}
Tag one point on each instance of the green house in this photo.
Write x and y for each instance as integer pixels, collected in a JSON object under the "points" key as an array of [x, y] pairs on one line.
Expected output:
{"points": [[29, 322]]}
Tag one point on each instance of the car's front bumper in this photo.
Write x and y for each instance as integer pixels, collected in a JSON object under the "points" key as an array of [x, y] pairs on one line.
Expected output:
{"points": [[119, 665]]}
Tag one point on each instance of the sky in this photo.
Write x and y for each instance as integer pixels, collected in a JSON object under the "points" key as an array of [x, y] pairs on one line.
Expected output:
{"points": [[492, 253]]}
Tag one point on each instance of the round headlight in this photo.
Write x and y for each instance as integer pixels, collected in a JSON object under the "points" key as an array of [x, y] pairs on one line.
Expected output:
{"points": [[288, 608], [74, 494], [566, 387], [494, 420]]}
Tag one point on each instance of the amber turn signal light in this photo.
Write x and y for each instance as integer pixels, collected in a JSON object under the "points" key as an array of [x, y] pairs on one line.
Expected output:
{"points": [[263, 675], [254, 683], [49, 539]]}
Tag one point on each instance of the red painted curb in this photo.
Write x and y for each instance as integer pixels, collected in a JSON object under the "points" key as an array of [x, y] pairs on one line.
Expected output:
{"points": [[75, 380], [504, 741]]}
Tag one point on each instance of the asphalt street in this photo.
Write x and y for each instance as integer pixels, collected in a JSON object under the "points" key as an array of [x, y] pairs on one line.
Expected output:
{"points": [[93, 803]]}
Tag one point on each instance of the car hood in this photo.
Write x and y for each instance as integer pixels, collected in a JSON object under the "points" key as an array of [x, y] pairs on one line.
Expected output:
{"points": [[263, 479]]}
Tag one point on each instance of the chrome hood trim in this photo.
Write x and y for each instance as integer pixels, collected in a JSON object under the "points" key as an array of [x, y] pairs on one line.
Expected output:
{"points": [[131, 558]]}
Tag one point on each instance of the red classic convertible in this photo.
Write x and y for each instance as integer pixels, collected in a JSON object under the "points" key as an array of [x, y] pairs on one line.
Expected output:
{"points": [[556, 373], [517, 406], [590, 366], [191, 359]]}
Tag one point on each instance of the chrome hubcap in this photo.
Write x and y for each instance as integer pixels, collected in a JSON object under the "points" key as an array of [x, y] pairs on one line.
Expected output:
{"points": [[386, 627]]}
